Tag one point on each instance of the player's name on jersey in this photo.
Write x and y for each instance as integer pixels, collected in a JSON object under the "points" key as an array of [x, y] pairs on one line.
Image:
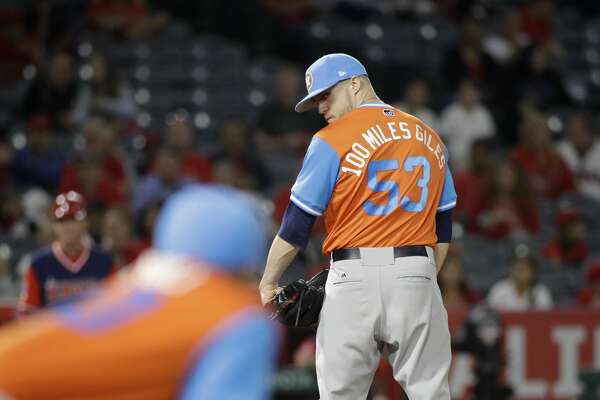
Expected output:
{"points": [[60, 290], [376, 136]]}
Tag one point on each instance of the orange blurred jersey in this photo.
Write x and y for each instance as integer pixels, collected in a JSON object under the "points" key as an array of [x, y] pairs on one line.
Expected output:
{"points": [[390, 180], [137, 340]]}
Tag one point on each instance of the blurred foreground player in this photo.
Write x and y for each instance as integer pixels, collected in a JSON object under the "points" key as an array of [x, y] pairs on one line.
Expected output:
{"points": [[180, 325], [71, 265]]}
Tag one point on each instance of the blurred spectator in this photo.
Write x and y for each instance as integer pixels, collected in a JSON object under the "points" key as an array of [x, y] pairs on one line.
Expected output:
{"points": [[504, 208], [105, 93], [85, 174], [54, 23], [71, 265], [505, 43], [288, 12], [532, 81], [22, 215], [180, 135], [536, 20], [99, 144], [129, 19], [590, 295], [118, 239], [280, 128], [156, 186], [536, 154], [144, 225], [581, 151], [465, 120], [39, 163], [6, 155], [569, 247], [11, 212], [482, 335], [456, 293], [520, 292], [16, 50], [537, 80], [416, 100], [53, 92], [236, 164], [468, 60], [469, 180]]}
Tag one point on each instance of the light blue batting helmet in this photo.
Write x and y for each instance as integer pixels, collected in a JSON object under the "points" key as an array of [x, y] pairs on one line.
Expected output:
{"points": [[214, 224], [325, 73]]}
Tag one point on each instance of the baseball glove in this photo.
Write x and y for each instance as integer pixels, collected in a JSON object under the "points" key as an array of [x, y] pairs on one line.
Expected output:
{"points": [[299, 303]]}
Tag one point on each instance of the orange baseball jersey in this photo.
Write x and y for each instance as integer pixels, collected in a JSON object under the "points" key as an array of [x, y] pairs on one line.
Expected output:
{"points": [[379, 176], [171, 329]]}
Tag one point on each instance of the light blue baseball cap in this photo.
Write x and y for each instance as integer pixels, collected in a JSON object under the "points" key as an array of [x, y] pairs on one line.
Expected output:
{"points": [[214, 224], [325, 73]]}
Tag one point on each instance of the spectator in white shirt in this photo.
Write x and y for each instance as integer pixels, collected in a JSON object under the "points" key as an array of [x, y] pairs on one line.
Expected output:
{"points": [[520, 292], [465, 121], [581, 152]]}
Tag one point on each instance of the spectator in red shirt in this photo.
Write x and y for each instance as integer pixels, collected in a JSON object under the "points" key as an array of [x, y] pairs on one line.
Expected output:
{"points": [[569, 247], [504, 208], [99, 142], [85, 175], [590, 296], [548, 174], [456, 292], [536, 20], [469, 181], [179, 134]]}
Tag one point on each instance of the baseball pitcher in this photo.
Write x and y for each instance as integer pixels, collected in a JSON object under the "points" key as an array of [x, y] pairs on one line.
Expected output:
{"points": [[381, 180]]}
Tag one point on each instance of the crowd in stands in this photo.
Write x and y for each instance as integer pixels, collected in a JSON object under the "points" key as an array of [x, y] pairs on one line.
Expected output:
{"points": [[524, 145]]}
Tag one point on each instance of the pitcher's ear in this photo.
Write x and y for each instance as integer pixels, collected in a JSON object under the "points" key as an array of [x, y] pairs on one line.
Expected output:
{"points": [[355, 84]]}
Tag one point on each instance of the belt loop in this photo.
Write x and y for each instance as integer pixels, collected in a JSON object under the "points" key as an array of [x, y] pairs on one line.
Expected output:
{"points": [[431, 255]]}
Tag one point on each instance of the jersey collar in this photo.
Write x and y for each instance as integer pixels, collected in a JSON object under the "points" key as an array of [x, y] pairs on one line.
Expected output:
{"points": [[374, 104], [72, 265]]}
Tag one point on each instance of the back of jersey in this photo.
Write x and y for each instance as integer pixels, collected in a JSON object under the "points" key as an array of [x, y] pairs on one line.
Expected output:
{"points": [[390, 180]]}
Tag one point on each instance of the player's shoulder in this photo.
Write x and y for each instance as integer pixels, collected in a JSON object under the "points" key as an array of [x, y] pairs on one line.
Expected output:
{"points": [[42, 255], [413, 119], [100, 254]]}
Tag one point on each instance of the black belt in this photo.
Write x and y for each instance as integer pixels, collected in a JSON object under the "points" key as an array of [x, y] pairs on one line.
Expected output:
{"points": [[402, 251]]}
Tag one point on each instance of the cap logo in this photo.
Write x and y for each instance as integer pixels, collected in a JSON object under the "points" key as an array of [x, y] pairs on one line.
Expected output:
{"points": [[341, 73], [309, 81]]}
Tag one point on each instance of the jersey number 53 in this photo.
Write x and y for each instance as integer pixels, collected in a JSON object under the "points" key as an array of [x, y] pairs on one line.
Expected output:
{"points": [[392, 187]]}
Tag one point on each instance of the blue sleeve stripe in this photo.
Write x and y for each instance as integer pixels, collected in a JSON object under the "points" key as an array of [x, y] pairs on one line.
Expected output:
{"points": [[304, 207], [317, 177], [447, 206]]}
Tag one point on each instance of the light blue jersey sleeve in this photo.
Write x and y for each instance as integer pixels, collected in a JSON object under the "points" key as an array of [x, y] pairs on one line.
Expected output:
{"points": [[238, 365], [316, 179], [448, 197]]}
